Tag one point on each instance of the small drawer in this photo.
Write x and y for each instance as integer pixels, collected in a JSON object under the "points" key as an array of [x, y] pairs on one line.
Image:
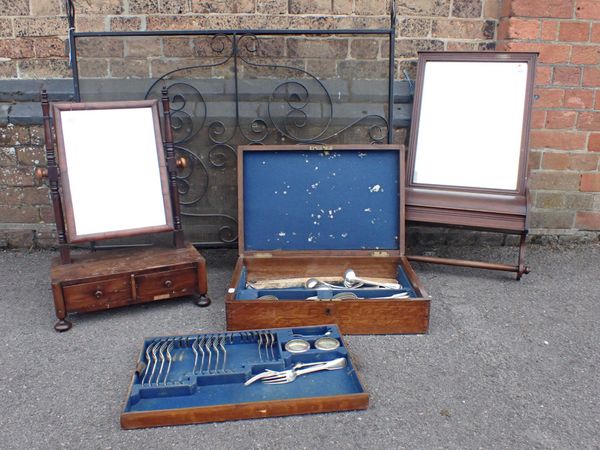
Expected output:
{"points": [[162, 285], [97, 295]]}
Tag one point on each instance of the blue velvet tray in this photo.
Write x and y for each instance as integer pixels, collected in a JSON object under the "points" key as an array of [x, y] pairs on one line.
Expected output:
{"points": [[196, 387], [339, 199]]}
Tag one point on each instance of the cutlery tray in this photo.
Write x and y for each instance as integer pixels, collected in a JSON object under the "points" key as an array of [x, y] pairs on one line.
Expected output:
{"points": [[200, 378]]}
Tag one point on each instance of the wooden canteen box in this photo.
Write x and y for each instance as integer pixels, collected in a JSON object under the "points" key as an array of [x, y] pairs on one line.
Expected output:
{"points": [[315, 211]]}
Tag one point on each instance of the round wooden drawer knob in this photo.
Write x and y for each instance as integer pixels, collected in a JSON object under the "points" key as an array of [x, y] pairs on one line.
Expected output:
{"points": [[40, 173], [98, 294], [168, 284]]}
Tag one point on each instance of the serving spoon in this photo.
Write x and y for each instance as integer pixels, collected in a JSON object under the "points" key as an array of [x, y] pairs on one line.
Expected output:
{"points": [[351, 280]]}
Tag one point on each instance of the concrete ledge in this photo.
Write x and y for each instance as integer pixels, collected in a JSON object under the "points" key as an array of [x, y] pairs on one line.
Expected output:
{"points": [[19, 99]]}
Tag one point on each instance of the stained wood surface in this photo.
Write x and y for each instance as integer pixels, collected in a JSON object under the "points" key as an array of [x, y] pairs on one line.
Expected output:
{"points": [[172, 283], [106, 263], [255, 410]]}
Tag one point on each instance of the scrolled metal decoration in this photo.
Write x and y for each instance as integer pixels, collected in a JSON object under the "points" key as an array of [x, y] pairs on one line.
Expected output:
{"points": [[299, 109], [217, 155]]}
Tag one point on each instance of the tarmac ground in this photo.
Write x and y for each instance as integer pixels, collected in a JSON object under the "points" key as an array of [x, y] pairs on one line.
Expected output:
{"points": [[506, 364]]}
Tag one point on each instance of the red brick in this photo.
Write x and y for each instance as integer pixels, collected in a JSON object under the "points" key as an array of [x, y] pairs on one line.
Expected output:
{"points": [[19, 214], [514, 28], [583, 161], [567, 75], [597, 101], [589, 121], [492, 9], [560, 140], [588, 9], [560, 119], [462, 29], [538, 119], [549, 30], [579, 99], [585, 54], [16, 48], [554, 181], [121, 23], [46, 47], [590, 182], [555, 161], [591, 76], [542, 8], [543, 75], [549, 98], [549, 53], [595, 36], [587, 220], [574, 31], [594, 142], [534, 160]]}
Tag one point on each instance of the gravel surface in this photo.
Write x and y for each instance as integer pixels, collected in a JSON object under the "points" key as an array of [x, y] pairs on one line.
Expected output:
{"points": [[506, 364]]}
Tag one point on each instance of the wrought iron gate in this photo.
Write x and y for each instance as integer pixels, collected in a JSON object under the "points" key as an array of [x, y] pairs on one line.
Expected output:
{"points": [[255, 99]]}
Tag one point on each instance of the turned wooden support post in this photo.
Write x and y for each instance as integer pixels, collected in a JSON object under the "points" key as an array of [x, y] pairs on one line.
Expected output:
{"points": [[53, 175], [172, 165]]}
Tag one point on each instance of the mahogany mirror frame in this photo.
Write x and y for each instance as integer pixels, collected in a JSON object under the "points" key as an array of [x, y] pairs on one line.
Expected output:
{"points": [[71, 230], [476, 208], [492, 57]]}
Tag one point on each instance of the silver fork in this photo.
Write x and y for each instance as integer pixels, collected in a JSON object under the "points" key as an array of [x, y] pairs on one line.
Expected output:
{"points": [[270, 373], [287, 376]]}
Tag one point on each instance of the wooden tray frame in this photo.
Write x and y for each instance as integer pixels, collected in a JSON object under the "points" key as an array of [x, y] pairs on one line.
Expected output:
{"points": [[250, 410]]}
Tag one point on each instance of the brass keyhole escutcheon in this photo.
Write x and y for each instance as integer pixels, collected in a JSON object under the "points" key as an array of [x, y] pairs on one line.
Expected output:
{"points": [[168, 284], [98, 294]]}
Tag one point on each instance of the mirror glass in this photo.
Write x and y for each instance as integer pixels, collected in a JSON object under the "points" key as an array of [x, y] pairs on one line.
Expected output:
{"points": [[112, 171], [471, 124]]}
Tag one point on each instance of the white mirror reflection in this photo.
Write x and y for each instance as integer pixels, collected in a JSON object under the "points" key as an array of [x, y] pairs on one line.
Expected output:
{"points": [[470, 125], [113, 170]]}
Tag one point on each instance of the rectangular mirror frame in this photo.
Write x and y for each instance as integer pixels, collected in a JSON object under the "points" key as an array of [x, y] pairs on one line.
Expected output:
{"points": [[499, 57], [71, 234]]}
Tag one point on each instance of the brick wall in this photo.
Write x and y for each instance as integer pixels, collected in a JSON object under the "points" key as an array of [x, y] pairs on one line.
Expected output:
{"points": [[565, 141], [565, 137]]}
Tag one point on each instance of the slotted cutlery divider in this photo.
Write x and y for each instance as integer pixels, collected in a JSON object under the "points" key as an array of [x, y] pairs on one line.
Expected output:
{"points": [[178, 364]]}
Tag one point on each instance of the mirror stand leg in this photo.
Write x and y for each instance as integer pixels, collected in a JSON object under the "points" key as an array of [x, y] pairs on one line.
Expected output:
{"points": [[522, 269], [202, 300], [62, 325], [65, 254]]}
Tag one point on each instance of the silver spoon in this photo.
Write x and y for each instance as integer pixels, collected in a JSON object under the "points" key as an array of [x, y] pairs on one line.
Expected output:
{"points": [[351, 280]]}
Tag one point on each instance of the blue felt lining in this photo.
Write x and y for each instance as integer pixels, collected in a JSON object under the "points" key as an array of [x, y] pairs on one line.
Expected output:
{"points": [[184, 389], [243, 293], [314, 200]]}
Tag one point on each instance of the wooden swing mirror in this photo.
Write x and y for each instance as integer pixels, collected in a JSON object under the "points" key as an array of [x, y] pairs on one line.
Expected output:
{"points": [[467, 161], [108, 175], [113, 174]]}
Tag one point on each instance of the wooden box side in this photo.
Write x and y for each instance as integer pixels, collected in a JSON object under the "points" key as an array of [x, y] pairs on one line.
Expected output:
{"points": [[254, 410]]}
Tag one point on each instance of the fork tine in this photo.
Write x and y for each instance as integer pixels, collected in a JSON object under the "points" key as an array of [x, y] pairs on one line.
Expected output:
{"points": [[284, 381]]}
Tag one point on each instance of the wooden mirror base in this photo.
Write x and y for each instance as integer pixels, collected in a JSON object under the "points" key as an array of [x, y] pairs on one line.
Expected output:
{"points": [[505, 214], [114, 278]]}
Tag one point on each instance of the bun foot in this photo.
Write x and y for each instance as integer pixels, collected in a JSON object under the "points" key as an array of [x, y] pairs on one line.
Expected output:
{"points": [[63, 325], [203, 301]]}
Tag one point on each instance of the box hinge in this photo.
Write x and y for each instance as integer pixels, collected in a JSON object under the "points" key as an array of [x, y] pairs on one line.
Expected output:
{"points": [[262, 255], [319, 148], [380, 254]]}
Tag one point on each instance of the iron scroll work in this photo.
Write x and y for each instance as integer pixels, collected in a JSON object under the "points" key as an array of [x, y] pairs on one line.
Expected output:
{"points": [[208, 142]]}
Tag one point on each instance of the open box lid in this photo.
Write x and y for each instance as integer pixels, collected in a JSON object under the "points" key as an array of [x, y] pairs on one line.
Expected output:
{"points": [[324, 199]]}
